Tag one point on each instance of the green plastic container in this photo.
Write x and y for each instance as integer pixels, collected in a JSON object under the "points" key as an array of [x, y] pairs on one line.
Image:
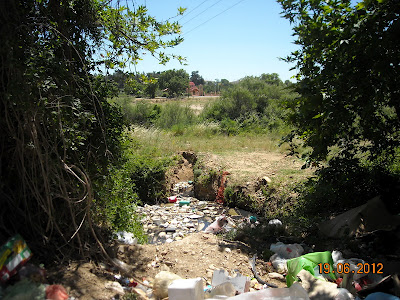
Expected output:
{"points": [[308, 262], [184, 202]]}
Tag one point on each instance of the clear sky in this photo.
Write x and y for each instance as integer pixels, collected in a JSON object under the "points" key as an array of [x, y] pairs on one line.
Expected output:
{"points": [[226, 39]]}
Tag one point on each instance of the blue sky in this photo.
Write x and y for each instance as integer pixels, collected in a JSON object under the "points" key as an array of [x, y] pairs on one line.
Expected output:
{"points": [[244, 40]]}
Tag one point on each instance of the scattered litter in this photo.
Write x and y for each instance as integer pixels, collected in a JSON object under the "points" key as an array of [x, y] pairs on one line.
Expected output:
{"points": [[161, 283], [13, 253], [221, 291], [279, 263], [361, 220], [320, 289], [172, 199], [184, 202], [287, 251], [240, 282], [126, 238], [184, 289], [390, 285], [284, 252], [295, 292], [115, 287], [56, 292], [309, 262], [252, 219], [217, 225], [274, 275], [275, 222]]}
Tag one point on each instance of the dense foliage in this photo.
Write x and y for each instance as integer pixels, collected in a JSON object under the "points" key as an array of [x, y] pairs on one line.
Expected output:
{"points": [[59, 135], [174, 82], [196, 78], [254, 104], [348, 65]]}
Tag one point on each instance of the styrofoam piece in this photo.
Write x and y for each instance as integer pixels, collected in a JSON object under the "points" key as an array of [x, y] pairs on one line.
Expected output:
{"points": [[185, 289], [240, 282]]}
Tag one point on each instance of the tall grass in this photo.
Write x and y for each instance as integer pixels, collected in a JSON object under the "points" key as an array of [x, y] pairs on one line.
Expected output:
{"points": [[205, 138]]}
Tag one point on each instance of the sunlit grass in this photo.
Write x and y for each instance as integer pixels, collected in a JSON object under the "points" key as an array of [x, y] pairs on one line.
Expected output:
{"points": [[203, 138]]}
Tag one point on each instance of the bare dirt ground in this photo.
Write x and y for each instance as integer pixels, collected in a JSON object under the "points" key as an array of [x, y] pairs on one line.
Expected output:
{"points": [[250, 166], [197, 255]]}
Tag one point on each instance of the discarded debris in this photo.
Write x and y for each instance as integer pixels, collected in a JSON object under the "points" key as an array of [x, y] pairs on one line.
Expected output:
{"points": [[255, 273], [161, 283], [217, 225], [361, 220], [295, 292], [309, 262], [13, 253], [184, 289], [318, 289], [240, 282]]}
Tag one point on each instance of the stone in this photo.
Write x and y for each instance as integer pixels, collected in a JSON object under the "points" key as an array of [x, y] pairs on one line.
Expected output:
{"points": [[274, 275], [115, 287], [162, 234]]}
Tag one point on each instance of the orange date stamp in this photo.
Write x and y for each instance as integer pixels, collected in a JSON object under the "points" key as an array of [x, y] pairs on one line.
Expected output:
{"points": [[346, 268]]}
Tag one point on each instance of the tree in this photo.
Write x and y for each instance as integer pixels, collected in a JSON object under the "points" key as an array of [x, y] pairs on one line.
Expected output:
{"points": [[196, 78], [271, 78], [348, 65], [151, 86], [58, 132], [119, 77], [175, 81]]}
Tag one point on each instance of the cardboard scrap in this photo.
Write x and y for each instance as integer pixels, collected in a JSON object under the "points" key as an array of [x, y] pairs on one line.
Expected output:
{"points": [[363, 219]]}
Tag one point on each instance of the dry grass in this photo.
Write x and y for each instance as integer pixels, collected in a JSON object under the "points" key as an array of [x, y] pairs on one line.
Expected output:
{"points": [[246, 157], [199, 139]]}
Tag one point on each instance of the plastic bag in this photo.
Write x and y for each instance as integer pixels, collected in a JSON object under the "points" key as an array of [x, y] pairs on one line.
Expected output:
{"points": [[308, 262], [287, 251]]}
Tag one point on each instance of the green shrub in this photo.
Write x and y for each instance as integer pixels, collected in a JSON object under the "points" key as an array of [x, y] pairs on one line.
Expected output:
{"points": [[137, 179], [255, 104], [116, 201], [174, 114], [147, 173]]}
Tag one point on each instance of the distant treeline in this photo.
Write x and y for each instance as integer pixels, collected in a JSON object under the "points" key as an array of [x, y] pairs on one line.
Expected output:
{"points": [[172, 83]]}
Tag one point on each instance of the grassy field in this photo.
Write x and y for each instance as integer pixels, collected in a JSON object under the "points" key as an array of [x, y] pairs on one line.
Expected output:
{"points": [[246, 156], [196, 103]]}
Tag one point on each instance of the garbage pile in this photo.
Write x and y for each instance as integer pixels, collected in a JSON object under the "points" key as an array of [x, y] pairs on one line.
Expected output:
{"points": [[183, 215], [29, 281], [306, 275]]}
